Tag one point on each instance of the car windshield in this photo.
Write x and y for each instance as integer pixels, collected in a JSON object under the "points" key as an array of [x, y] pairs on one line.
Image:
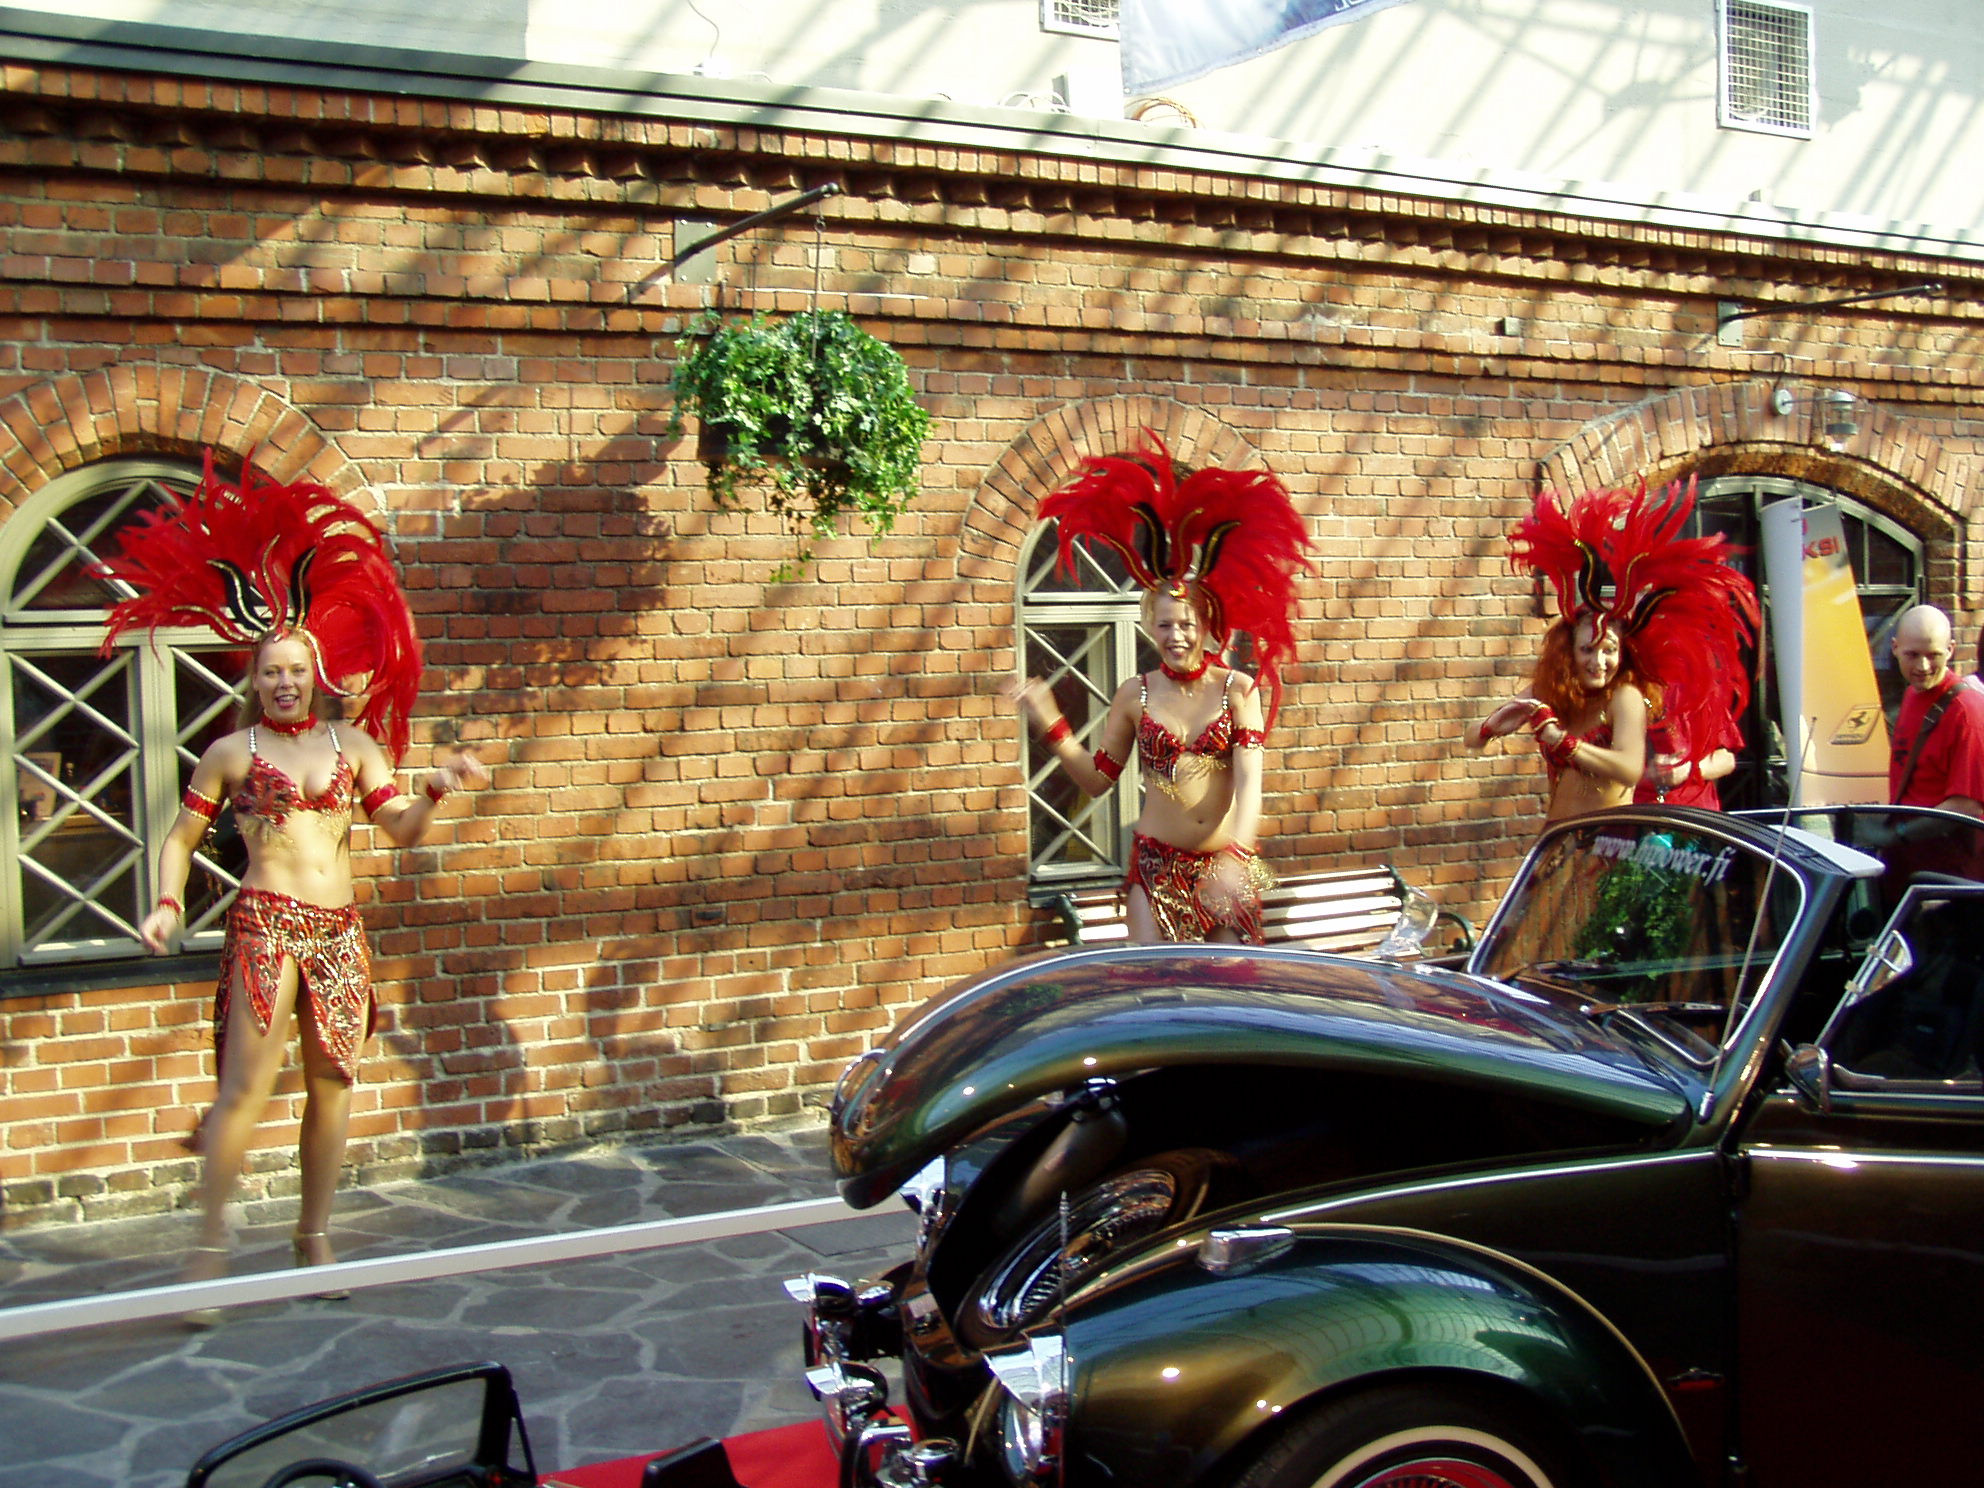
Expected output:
{"points": [[1671, 925]]}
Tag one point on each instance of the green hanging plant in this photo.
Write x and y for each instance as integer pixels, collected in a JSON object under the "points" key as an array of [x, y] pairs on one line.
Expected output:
{"points": [[812, 408]]}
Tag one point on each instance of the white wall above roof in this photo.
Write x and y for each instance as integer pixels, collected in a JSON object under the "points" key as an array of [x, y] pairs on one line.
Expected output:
{"points": [[1595, 107], [973, 51]]}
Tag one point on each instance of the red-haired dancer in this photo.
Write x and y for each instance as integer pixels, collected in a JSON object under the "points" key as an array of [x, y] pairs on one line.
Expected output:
{"points": [[303, 579], [1641, 609], [1215, 552]]}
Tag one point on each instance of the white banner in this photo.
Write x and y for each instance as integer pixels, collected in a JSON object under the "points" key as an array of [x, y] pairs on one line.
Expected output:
{"points": [[1829, 705], [1174, 41]]}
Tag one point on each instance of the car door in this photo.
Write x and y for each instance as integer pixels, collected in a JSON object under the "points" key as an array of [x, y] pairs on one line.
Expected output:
{"points": [[1860, 1223]]}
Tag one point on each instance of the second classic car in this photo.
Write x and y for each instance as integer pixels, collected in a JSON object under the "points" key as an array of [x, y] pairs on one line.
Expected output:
{"points": [[1679, 1179]]}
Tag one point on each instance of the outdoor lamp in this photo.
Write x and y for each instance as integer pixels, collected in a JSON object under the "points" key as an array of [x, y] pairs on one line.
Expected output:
{"points": [[1834, 415]]}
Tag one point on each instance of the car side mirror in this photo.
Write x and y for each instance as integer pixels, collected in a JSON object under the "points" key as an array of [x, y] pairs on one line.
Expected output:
{"points": [[457, 1425], [1809, 1068], [1417, 915]]}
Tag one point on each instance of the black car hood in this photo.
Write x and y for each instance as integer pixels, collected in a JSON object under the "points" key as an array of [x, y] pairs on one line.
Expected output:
{"points": [[1048, 1023]]}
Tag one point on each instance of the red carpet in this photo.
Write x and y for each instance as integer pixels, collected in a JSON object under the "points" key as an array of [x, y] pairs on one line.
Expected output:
{"points": [[783, 1457]]}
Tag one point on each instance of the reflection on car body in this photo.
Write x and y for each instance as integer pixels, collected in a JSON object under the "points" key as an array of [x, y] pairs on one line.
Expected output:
{"points": [[1639, 1194]]}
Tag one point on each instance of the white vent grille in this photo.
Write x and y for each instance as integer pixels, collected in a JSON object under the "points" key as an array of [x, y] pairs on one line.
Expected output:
{"points": [[1766, 82], [1079, 17]]}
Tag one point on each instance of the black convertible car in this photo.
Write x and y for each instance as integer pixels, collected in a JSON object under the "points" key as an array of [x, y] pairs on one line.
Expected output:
{"points": [[1678, 1179]]}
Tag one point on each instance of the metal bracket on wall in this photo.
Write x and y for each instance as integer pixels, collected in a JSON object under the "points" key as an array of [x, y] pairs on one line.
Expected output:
{"points": [[1728, 312], [694, 238]]}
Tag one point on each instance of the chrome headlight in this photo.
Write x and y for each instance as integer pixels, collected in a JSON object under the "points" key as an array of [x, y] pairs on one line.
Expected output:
{"points": [[1068, 1247], [1033, 1418]]}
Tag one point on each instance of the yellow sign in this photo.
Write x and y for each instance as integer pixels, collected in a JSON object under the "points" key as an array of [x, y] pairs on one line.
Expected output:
{"points": [[1835, 734]]}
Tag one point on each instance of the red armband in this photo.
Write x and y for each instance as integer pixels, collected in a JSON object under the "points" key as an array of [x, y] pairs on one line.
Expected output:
{"points": [[1108, 764], [374, 799], [1244, 738], [206, 808], [1543, 715], [1055, 732]]}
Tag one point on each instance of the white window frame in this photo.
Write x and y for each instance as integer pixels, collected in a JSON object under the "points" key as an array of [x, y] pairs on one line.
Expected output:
{"points": [[157, 745], [1110, 606], [1728, 112]]}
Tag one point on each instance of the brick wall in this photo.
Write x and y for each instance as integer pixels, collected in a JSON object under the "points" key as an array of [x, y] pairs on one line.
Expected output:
{"points": [[739, 824]]}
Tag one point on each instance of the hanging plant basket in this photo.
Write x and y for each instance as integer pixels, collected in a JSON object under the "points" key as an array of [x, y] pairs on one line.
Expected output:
{"points": [[811, 408], [713, 448]]}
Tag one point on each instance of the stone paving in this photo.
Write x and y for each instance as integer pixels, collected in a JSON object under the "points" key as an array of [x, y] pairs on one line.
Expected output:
{"points": [[612, 1356]]}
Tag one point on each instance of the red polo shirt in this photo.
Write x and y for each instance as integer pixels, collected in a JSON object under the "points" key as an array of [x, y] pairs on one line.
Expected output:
{"points": [[1952, 757]]}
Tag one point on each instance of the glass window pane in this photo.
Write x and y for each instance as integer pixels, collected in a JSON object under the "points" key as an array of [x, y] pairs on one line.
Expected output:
{"points": [[87, 730], [76, 781], [1889, 562], [1070, 829], [1097, 570], [53, 576], [207, 696]]}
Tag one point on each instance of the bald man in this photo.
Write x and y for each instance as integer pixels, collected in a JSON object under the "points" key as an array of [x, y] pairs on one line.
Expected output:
{"points": [[1938, 757]]}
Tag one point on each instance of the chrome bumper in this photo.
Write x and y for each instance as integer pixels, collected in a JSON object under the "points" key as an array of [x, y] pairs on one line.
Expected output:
{"points": [[845, 1325]]}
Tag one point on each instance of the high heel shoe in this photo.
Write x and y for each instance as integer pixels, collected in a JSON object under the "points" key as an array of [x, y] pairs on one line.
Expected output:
{"points": [[299, 1247], [207, 1263]]}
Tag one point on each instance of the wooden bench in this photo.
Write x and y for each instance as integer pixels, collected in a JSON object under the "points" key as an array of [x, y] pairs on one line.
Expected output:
{"points": [[1348, 911]]}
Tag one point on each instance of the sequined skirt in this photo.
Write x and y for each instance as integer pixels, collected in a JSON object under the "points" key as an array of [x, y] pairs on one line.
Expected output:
{"points": [[1186, 897], [333, 965]]}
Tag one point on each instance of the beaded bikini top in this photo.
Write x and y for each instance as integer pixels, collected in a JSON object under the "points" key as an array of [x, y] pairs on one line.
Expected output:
{"points": [[269, 796], [1162, 752], [1166, 758]]}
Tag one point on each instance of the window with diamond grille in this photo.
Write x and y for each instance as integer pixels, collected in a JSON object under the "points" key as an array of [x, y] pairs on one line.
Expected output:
{"points": [[1079, 17], [101, 744], [1766, 74], [1080, 636]]}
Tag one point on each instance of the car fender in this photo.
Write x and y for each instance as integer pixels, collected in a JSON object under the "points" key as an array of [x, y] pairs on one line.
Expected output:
{"points": [[1049, 1024], [1178, 1368]]}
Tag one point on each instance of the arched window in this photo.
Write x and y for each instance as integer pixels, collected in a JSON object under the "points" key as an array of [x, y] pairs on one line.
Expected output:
{"points": [[1888, 572], [1079, 634], [101, 744]]}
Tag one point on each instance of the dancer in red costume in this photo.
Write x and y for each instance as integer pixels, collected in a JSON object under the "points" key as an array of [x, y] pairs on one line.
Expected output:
{"points": [[1216, 552], [1640, 607], [303, 579]]}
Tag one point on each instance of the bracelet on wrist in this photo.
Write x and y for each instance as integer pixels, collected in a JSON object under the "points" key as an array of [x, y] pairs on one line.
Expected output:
{"points": [[435, 793], [1056, 732], [166, 901], [1560, 754]]}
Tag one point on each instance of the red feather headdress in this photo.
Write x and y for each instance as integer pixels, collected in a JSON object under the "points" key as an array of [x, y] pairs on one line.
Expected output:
{"points": [[263, 558], [1234, 533], [1683, 613]]}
